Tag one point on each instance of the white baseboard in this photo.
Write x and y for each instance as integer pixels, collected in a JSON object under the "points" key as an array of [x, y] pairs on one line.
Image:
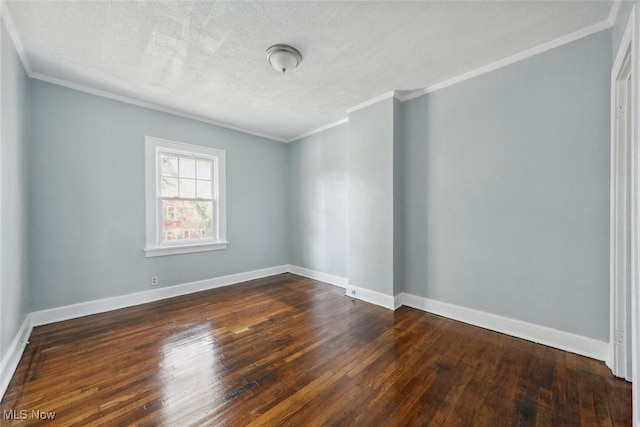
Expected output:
{"points": [[372, 297], [43, 317], [11, 359], [397, 301], [577, 344], [609, 362], [87, 308], [540, 334], [584, 346], [363, 294], [341, 282]]}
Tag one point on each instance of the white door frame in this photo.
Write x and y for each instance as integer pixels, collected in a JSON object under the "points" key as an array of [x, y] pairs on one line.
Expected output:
{"points": [[625, 198], [621, 180]]}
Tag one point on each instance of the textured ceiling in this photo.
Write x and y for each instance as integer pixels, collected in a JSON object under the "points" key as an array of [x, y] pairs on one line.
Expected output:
{"points": [[207, 58]]}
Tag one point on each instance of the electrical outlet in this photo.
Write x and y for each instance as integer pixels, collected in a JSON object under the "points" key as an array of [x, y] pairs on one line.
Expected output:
{"points": [[154, 280]]}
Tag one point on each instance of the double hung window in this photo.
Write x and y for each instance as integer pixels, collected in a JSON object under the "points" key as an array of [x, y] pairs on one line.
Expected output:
{"points": [[185, 200]]}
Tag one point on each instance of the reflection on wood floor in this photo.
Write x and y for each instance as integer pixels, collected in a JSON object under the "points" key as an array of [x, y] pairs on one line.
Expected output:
{"points": [[287, 350]]}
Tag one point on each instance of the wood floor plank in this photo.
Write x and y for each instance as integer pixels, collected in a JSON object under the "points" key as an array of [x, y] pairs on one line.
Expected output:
{"points": [[289, 351]]}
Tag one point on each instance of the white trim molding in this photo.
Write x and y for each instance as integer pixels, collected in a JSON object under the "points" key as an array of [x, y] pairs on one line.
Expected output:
{"points": [[372, 297], [625, 205], [625, 208], [613, 12], [374, 100], [15, 37], [568, 38], [150, 105], [5, 15], [320, 129], [164, 108], [539, 334], [151, 251], [11, 359], [509, 60], [555, 338], [44, 317], [622, 203], [566, 341], [341, 282]]}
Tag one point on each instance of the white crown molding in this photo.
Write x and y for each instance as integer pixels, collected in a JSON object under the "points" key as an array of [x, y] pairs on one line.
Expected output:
{"points": [[374, 100], [58, 314], [577, 35], [17, 42], [320, 129], [12, 357], [414, 94], [509, 60], [341, 282], [5, 15], [566, 341], [372, 297], [149, 105], [15, 37], [613, 12]]}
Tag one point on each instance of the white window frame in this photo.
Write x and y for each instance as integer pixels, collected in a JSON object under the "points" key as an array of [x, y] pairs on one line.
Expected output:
{"points": [[154, 244]]}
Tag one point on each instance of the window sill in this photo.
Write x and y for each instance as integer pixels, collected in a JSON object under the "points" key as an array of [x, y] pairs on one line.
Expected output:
{"points": [[183, 249]]}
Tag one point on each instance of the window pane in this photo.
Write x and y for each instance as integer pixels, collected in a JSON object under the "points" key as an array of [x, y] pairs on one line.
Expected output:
{"points": [[169, 187], [187, 168], [169, 165], [170, 212], [186, 220], [204, 189], [188, 188], [203, 169]]}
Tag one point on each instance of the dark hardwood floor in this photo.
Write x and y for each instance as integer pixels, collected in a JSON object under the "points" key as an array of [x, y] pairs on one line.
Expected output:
{"points": [[286, 350]]}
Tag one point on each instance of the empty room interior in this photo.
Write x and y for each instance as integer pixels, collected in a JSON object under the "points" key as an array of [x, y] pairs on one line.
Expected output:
{"points": [[319, 213]]}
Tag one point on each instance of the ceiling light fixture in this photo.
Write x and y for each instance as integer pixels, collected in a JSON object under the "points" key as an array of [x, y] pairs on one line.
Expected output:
{"points": [[283, 57]]}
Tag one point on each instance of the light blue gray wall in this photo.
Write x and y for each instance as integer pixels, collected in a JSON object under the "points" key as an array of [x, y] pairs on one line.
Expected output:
{"points": [[318, 201], [87, 198], [14, 260], [399, 243], [620, 24], [500, 203], [370, 206], [507, 190]]}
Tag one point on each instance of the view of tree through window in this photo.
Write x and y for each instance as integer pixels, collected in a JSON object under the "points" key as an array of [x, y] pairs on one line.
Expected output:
{"points": [[186, 196]]}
